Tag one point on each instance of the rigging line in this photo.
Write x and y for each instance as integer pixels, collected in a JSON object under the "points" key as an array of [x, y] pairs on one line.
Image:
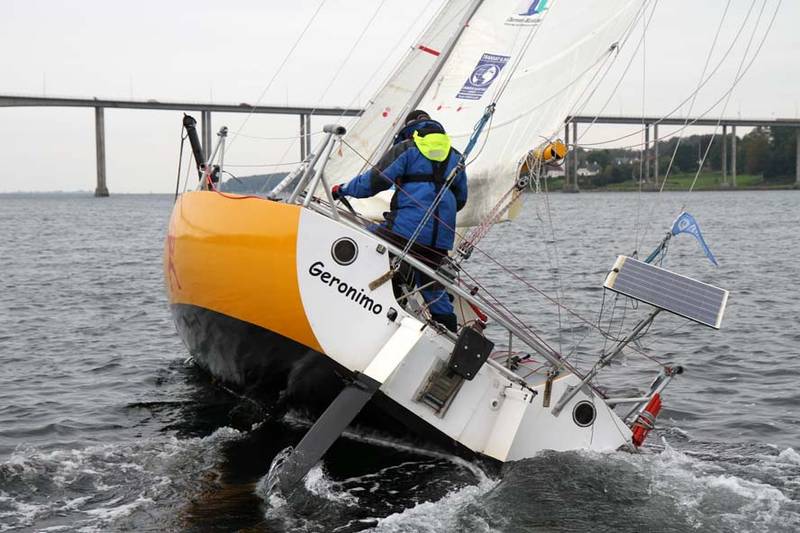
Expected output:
{"points": [[685, 100], [445, 224], [461, 236], [702, 115], [407, 59], [615, 47], [289, 138], [547, 100], [277, 72], [645, 134], [180, 163], [500, 308], [395, 46], [626, 69], [694, 97], [484, 253], [186, 176], [657, 202], [518, 59], [265, 165], [559, 287], [561, 90], [619, 46], [335, 76], [485, 140], [605, 69], [730, 93], [350, 52], [498, 305], [513, 46], [351, 120]]}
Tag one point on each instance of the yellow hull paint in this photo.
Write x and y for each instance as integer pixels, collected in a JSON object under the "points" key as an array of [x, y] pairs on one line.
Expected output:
{"points": [[238, 256]]}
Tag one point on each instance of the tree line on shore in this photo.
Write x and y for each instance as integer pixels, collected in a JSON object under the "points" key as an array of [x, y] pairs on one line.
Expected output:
{"points": [[766, 151]]}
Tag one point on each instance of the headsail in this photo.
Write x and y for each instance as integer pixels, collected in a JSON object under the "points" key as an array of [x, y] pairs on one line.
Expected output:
{"points": [[541, 55], [386, 110]]}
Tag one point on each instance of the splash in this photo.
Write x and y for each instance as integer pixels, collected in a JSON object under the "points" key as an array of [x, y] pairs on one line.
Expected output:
{"points": [[100, 487], [441, 515]]}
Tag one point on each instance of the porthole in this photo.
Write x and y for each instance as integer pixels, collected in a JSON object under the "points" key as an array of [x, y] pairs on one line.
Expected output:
{"points": [[344, 251], [584, 414]]}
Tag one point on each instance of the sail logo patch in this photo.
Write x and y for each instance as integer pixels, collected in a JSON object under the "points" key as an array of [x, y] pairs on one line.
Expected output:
{"points": [[485, 72], [528, 13]]}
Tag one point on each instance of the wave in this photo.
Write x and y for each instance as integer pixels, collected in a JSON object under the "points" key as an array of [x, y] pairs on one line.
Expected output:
{"points": [[102, 487]]}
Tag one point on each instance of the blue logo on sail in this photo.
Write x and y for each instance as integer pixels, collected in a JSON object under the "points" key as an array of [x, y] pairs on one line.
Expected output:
{"points": [[485, 72], [528, 13], [534, 8], [685, 223]]}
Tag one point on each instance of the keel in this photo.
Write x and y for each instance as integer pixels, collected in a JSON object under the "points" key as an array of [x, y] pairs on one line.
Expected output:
{"points": [[341, 412]]}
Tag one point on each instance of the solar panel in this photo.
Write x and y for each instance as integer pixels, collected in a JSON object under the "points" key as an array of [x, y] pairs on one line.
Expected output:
{"points": [[669, 291]]}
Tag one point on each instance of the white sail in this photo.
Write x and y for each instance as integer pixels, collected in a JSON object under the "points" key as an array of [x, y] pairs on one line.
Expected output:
{"points": [[546, 53], [386, 110], [539, 57]]}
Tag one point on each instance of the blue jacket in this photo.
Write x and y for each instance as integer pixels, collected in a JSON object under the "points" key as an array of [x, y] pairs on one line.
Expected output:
{"points": [[412, 175]]}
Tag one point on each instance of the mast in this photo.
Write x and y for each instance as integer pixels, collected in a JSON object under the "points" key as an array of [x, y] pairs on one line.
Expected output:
{"points": [[429, 78]]}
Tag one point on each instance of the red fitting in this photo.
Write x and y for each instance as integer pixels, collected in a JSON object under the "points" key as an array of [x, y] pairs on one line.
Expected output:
{"points": [[646, 420]]}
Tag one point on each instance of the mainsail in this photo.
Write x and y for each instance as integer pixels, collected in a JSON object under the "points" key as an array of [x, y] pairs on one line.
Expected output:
{"points": [[537, 59], [386, 110]]}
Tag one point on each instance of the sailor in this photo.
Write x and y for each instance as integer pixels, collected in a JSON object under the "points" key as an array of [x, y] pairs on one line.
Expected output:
{"points": [[417, 166]]}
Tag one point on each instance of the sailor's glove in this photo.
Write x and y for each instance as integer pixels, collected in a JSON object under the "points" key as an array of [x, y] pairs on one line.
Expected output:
{"points": [[336, 192]]}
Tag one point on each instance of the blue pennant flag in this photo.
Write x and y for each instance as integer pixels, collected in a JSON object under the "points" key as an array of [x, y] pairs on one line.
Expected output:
{"points": [[685, 223]]}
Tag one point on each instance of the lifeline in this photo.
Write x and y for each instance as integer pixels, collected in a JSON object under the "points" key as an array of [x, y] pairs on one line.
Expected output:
{"points": [[358, 296]]}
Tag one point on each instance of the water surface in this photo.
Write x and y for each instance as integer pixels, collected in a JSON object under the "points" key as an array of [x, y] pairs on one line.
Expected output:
{"points": [[105, 425]]}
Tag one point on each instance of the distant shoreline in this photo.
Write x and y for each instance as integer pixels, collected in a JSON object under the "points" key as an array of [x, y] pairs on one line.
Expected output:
{"points": [[707, 181], [696, 189]]}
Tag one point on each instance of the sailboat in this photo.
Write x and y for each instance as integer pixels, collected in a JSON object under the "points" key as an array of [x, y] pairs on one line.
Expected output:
{"points": [[289, 297]]}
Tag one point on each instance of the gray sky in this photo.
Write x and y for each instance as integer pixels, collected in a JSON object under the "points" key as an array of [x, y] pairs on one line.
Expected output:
{"points": [[226, 52]]}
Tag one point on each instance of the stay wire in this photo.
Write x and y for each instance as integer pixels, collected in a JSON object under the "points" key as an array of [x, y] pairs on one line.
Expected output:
{"points": [[728, 99], [634, 54], [659, 197], [642, 163], [180, 163], [561, 90], [277, 72], [186, 175], [518, 58], [615, 48], [685, 100], [265, 165], [591, 87], [694, 96], [506, 269], [316, 133]]}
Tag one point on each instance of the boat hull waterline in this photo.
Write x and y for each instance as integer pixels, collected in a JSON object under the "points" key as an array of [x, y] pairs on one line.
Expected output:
{"points": [[265, 302]]}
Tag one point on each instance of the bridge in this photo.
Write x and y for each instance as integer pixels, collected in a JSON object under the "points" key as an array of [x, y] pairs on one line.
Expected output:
{"points": [[650, 167], [205, 111], [650, 148]]}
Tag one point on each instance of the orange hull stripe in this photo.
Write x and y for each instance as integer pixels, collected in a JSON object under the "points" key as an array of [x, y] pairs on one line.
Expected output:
{"points": [[238, 257]]}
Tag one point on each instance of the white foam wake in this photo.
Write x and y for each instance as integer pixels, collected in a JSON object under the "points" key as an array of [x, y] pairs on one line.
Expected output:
{"points": [[439, 516], [95, 487]]}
